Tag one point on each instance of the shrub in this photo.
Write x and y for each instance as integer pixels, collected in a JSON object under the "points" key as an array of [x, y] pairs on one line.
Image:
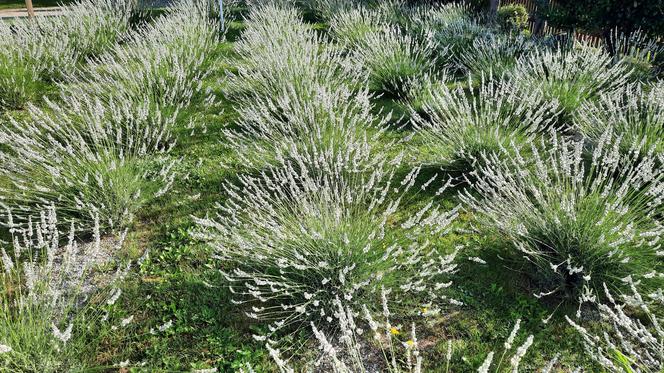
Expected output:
{"points": [[88, 153], [570, 76], [457, 37], [570, 224], [513, 17], [639, 52], [82, 166], [495, 54], [50, 306], [294, 242], [319, 124], [327, 9], [163, 63], [438, 17], [36, 53], [95, 26], [635, 113], [393, 58], [458, 128]]}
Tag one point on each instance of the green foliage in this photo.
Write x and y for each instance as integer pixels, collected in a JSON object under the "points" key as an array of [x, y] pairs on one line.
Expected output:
{"points": [[601, 16], [513, 17]]}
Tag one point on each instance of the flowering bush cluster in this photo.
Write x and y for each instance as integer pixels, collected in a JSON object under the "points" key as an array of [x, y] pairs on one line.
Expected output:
{"points": [[370, 156], [98, 149], [49, 48], [316, 227]]}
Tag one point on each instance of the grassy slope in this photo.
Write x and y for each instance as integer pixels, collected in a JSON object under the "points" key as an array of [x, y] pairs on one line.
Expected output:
{"points": [[181, 283]]}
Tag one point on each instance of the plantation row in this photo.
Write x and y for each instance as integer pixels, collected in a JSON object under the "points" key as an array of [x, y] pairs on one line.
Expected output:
{"points": [[81, 165], [375, 165]]}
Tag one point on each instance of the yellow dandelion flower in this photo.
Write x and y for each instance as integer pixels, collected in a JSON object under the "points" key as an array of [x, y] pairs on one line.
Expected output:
{"points": [[410, 343], [425, 309], [394, 331]]}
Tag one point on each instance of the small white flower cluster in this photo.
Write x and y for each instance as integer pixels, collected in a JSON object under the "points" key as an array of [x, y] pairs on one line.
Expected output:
{"points": [[633, 343]]}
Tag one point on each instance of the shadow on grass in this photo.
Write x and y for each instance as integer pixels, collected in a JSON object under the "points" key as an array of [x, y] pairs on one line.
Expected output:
{"points": [[207, 330]]}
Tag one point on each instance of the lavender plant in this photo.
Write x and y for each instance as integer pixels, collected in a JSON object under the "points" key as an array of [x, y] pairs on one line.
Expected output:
{"points": [[638, 51], [634, 112], [457, 35], [327, 9], [316, 125], [278, 51], [569, 224], [569, 75], [393, 58], [495, 54], [29, 56], [93, 164], [163, 63], [48, 298], [633, 343], [90, 151], [437, 17], [350, 27], [294, 241], [459, 129], [49, 48]]}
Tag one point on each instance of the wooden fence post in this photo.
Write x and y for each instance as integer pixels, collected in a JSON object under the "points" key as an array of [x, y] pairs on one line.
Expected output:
{"points": [[31, 10]]}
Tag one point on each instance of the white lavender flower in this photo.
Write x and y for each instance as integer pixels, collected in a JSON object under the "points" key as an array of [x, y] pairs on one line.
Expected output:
{"points": [[634, 343]]}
